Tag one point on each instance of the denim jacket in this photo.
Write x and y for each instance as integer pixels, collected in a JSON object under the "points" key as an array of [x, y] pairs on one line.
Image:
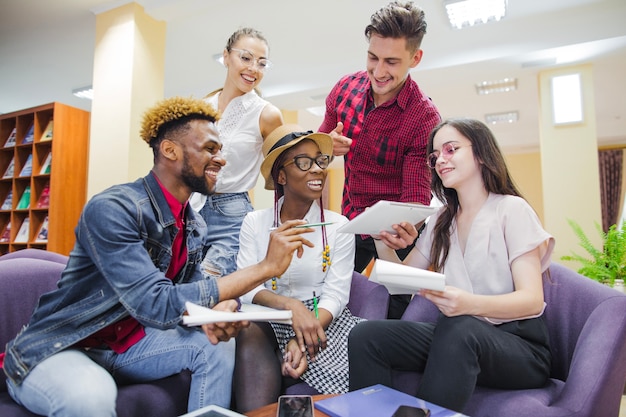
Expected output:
{"points": [[116, 268]]}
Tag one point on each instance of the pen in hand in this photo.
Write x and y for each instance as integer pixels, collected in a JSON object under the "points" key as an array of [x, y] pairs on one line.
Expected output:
{"points": [[304, 226], [317, 314]]}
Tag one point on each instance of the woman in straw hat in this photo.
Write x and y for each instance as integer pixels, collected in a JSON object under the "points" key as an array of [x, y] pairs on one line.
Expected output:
{"points": [[315, 287], [245, 121]]}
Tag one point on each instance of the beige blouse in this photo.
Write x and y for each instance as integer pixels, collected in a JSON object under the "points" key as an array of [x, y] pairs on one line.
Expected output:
{"points": [[505, 228]]}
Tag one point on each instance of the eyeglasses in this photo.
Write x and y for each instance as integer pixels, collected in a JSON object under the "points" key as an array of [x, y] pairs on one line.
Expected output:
{"points": [[304, 163], [447, 152], [263, 64]]}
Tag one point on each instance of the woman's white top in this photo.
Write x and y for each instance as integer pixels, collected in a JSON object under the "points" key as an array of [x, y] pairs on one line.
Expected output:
{"points": [[241, 138], [304, 274], [505, 228]]}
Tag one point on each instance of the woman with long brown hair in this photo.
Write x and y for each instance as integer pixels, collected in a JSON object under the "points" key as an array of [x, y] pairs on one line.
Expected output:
{"points": [[490, 245]]}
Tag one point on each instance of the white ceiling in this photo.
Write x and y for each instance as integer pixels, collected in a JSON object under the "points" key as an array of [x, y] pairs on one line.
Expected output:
{"points": [[46, 51]]}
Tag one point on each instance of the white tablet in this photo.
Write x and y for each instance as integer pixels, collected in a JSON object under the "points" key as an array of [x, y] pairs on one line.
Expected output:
{"points": [[382, 215]]}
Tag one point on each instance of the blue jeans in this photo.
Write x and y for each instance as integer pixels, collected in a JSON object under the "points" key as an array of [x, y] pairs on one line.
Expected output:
{"points": [[223, 214], [78, 382]]}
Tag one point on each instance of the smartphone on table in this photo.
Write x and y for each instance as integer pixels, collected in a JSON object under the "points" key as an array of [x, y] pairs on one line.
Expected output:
{"points": [[295, 406]]}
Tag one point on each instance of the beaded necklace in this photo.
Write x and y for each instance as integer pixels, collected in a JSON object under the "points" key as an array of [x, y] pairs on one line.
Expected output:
{"points": [[325, 246]]}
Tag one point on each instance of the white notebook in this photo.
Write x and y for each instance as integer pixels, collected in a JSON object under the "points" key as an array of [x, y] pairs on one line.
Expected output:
{"points": [[382, 215], [404, 279], [198, 315]]}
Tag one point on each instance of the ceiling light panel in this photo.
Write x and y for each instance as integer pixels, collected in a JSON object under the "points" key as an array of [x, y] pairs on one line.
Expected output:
{"points": [[504, 85], [504, 117], [84, 92], [466, 13]]}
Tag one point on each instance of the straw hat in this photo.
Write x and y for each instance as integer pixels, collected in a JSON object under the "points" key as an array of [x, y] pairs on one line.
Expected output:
{"points": [[283, 138]]}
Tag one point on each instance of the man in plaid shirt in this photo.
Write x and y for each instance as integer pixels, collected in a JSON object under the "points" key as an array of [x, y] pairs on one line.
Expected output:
{"points": [[380, 121]]}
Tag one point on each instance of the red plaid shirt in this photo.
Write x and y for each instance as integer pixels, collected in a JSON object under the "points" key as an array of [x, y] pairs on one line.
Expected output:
{"points": [[387, 159]]}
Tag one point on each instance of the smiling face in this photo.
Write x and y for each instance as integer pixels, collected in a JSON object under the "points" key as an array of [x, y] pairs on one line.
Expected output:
{"points": [[244, 73], [388, 65], [202, 157], [298, 184], [455, 164]]}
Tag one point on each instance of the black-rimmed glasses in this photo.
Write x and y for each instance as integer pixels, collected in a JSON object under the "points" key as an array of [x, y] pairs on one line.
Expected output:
{"points": [[304, 163], [248, 59]]}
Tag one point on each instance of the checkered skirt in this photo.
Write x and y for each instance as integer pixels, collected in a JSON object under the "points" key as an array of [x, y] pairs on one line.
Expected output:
{"points": [[329, 373]]}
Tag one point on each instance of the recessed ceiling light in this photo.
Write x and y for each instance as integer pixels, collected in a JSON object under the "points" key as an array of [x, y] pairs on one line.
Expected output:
{"points": [[84, 92], [497, 86], [505, 117], [219, 58], [464, 13]]}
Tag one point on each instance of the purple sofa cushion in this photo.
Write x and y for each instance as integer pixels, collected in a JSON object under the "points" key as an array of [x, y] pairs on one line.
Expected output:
{"points": [[22, 281], [27, 274]]}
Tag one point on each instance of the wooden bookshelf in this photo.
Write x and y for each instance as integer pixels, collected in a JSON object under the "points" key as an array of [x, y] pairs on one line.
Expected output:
{"points": [[67, 177]]}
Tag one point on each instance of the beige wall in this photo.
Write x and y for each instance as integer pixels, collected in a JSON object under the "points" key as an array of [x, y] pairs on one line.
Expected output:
{"points": [[569, 166], [525, 168], [128, 78]]}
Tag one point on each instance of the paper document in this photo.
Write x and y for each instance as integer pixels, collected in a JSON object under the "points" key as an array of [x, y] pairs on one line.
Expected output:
{"points": [[384, 214], [198, 315], [404, 279]]}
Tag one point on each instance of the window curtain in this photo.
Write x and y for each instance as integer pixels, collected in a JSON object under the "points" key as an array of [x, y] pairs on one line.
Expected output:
{"points": [[611, 163]]}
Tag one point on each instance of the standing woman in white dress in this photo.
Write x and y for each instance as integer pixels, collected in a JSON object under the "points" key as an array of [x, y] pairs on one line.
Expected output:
{"points": [[245, 121], [490, 245]]}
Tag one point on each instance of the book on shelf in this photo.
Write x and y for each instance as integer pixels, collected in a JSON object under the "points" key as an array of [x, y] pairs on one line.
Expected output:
{"points": [[22, 233], [47, 133], [27, 169], [198, 315], [12, 138], [405, 279], [6, 234], [47, 164], [24, 202], [7, 204], [42, 234], [10, 169], [44, 198], [30, 135]]}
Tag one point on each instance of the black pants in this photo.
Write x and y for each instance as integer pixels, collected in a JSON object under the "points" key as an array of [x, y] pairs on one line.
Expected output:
{"points": [[365, 251], [454, 355]]}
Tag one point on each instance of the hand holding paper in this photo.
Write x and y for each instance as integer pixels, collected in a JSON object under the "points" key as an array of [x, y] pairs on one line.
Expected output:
{"points": [[199, 315], [404, 279], [384, 214]]}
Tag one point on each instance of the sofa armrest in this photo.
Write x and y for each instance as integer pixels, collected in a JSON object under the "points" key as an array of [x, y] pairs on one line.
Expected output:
{"points": [[599, 361]]}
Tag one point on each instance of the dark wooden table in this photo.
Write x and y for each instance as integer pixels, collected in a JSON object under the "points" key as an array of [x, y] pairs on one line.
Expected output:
{"points": [[270, 409]]}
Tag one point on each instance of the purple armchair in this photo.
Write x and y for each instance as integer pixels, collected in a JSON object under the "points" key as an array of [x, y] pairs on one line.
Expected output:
{"points": [[24, 276], [587, 327], [368, 300]]}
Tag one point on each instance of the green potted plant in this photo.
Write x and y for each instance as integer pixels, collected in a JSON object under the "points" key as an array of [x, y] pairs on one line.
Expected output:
{"points": [[607, 264]]}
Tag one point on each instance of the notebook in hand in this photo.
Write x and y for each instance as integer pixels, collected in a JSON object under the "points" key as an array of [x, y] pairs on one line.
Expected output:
{"points": [[405, 279], [377, 400], [199, 315], [384, 214]]}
